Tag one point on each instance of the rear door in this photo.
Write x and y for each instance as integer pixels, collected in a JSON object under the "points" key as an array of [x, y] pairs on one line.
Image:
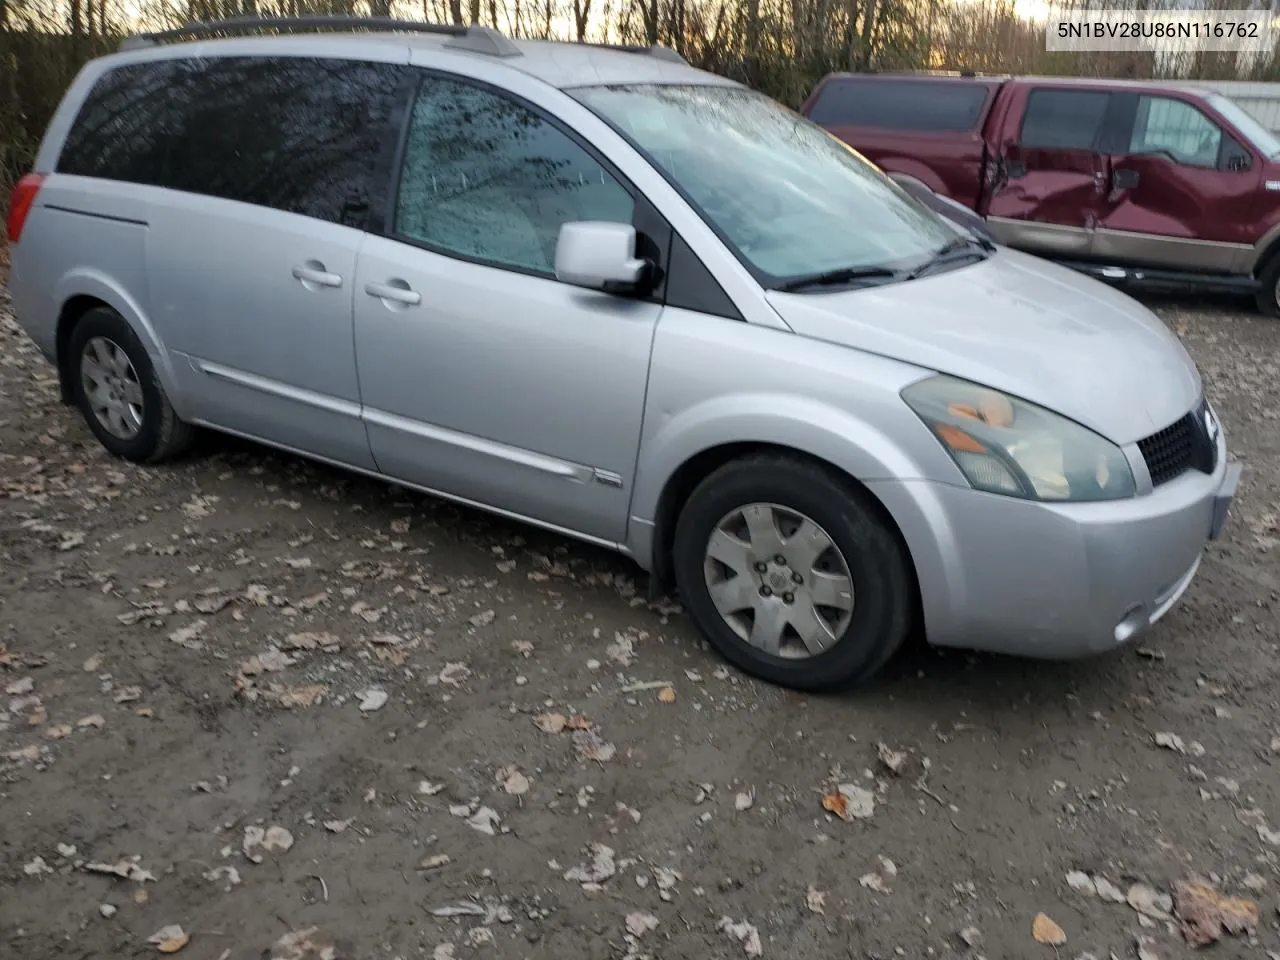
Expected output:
{"points": [[252, 251], [1052, 171], [929, 129], [1184, 192]]}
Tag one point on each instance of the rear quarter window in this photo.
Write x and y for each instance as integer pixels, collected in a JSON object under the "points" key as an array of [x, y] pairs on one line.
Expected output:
{"points": [[303, 135], [920, 105], [124, 126]]}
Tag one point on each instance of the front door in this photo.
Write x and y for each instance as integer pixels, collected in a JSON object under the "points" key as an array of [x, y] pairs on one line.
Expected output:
{"points": [[1184, 192], [1052, 173], [483, 377]]}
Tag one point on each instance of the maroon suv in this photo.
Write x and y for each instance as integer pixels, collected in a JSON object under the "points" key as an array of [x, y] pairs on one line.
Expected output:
{"points": [[1130, 181]]}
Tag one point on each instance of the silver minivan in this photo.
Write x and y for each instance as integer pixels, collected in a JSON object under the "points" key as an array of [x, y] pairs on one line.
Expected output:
{"points": [[597, 290]]}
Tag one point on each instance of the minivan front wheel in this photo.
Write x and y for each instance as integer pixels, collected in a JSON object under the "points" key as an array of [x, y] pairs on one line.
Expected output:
{"points": [[115, 386], [791, 574]]}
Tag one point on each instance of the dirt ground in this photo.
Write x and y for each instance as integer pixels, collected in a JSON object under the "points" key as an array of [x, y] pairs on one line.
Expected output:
{"points": [[250, 696]]}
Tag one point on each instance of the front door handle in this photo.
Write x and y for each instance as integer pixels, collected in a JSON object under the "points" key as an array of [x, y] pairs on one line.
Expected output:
{"points": [[313, 274], [397, 291]]}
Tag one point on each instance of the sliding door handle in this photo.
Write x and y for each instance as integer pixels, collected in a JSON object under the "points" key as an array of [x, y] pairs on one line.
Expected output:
{"points": [[314, 274], [395, 291]]}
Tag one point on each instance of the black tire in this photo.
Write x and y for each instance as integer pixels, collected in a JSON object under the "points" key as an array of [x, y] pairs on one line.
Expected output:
{"points": [[161, 435], [878, 564], [1268, 295]]}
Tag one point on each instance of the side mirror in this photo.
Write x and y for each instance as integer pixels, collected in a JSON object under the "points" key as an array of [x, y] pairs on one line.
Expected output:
{"points": [[600, 256]]}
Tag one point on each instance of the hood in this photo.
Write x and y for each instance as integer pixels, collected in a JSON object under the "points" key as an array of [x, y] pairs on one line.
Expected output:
{"points": [[1041, 332]]}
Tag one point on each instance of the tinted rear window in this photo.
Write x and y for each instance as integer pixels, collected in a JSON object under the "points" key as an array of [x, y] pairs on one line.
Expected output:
{"points": [[943, 106], [295, 134]]}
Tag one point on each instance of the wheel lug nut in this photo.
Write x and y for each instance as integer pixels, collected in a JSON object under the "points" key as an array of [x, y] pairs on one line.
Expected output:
{"points": [[797, 578], [788, 598], [780, 560], [766, 592], [761, 566]]}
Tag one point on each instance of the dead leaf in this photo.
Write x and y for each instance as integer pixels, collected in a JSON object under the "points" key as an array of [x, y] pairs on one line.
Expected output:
{"points": [[93, 720], [338, 826], [301, 697], [189, 636], [36, 867], [815, 900], [128, 868], [92, 664], [436, 862], [58, 732], [328, 642], [638, 924], [744, 933], [371, 700], [485, 820], [20, 687], [744, 801], [258, 842], [454, 674], [1149, 902], [305, 944], [1047, 932], [1170, 741], [895, 761], [667, 695], [128, 694], [1205, 914], [578, 722], [591, 747], [850, 802], [601, 868], [169, 939], [513, 781], [550, 722]]}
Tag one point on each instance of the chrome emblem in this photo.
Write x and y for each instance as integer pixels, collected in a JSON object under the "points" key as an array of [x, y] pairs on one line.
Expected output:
{"points": [[1210, 424]]}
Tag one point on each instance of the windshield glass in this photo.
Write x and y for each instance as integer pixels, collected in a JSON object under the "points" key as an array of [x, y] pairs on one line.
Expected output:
{"points": [[788, 198], [1255, 132]]}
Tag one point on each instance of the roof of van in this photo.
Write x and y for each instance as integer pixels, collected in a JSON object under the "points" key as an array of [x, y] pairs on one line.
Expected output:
{"points": [[1188, 87], [560, 64]]}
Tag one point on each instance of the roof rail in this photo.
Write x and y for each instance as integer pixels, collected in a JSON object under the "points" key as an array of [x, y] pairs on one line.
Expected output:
{"points": [[476, 39], [662, 53]]}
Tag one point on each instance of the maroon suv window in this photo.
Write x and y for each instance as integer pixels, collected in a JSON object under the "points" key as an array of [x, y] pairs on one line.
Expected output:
{"points": [[942, 106]]}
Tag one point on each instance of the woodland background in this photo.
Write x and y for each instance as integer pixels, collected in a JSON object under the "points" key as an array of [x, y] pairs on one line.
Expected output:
{"points": [[779, 46]]}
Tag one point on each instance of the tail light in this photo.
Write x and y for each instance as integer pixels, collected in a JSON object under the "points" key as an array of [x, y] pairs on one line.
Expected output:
{"points": [[20, 203]]}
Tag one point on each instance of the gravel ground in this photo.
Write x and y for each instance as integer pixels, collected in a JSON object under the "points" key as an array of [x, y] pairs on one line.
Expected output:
{"points": [[290, 710]]}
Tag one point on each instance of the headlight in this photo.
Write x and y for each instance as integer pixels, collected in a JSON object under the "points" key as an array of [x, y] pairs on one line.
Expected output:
{"points": [[1006, 445]]}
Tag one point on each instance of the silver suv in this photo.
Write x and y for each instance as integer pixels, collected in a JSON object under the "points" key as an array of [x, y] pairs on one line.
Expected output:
{"points": [[603, 292]]}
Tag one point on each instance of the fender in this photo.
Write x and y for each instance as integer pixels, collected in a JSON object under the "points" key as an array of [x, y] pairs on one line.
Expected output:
{"points": [[860, 449], [87, 282]]}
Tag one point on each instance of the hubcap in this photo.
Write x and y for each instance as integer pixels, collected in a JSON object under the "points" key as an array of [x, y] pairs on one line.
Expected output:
{"points": [[112, 388], [778, 580]]}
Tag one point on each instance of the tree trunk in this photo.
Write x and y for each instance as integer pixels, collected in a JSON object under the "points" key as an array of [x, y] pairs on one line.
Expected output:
{"points": [[581, 11]]}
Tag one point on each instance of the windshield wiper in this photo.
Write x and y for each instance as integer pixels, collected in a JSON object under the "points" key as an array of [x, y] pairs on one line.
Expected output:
{"points": [[961, 248], [842, 275]]}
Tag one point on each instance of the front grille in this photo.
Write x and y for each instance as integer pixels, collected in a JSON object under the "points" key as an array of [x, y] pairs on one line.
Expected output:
{"points": [[1183, 445]]}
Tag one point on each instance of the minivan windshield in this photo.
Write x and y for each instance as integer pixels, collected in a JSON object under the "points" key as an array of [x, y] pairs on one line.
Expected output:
{"points": [[1262, 138], [788, 198]]}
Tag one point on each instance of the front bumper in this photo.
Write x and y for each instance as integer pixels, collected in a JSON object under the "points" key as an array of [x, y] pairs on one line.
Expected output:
{"points": [[1057, 581]]}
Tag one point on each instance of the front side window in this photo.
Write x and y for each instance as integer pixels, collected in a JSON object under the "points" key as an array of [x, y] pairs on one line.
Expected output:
{"points": [[1064, 119], [787, 198], [1176, 128], [487, 179]]}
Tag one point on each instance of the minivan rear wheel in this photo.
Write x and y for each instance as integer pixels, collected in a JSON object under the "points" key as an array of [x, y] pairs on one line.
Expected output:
{"points": [[114, 384], [792, 574]]}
